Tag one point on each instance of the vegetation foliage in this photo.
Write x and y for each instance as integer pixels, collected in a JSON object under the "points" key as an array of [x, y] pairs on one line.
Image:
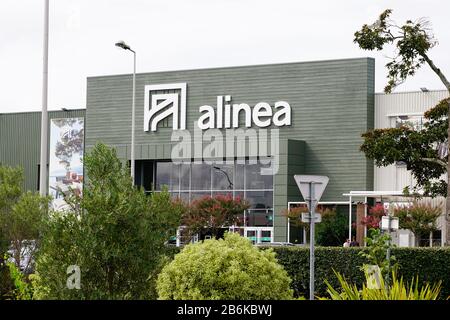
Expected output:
{"points": [[115, 233], [396, 290], [419, 149], [230, 269]]}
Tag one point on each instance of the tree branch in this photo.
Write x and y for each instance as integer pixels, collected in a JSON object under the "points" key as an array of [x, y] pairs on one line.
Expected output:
{"points": [[437, 161], [437, 71]]}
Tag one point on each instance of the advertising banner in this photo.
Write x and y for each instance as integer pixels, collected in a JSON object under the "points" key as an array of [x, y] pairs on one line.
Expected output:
{"points": [[65, 161]]}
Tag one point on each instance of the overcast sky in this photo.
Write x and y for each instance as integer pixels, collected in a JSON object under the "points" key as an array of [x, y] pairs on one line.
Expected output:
{"points": [[187, 34]]}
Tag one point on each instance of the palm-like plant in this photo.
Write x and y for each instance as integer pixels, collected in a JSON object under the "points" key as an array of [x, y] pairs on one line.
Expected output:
{"points": [[397, 290]]}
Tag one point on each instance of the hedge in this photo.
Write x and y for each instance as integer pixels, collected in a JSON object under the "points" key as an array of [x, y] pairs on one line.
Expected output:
{"points": [[429, 264]]}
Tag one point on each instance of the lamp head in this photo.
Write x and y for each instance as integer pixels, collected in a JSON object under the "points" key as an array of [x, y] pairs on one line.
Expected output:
{"points": [[123, 45]]}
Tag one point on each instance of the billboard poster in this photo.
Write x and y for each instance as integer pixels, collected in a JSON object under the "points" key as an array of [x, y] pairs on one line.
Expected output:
{"points": [[65, 161]]}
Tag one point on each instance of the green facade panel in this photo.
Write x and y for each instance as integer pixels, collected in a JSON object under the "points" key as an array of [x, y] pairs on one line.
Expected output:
{"points": [[20, 136]]}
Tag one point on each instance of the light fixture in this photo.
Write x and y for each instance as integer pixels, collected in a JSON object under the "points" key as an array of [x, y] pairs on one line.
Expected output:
{"points": [[424, 89], [123, 45]]}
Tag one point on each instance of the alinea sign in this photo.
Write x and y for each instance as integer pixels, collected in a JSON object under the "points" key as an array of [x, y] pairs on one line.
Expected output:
{"points": [[165, 100]]}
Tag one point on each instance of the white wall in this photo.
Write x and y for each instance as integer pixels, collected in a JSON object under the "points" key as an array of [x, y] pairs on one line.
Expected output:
{"points": [[387, 108]]}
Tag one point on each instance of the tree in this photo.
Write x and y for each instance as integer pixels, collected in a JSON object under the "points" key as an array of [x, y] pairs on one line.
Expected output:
{"points": [[419, 150], [22, 214], [333, 229], [213, 214], [330, 232], [419, 218], [115, 233], [224, 269], [21, 217]]}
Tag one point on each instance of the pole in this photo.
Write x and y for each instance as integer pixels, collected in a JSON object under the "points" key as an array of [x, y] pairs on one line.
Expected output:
{"points": [[350, 217], [388, 253], [44, 114], [133, 120], [311, 241]]}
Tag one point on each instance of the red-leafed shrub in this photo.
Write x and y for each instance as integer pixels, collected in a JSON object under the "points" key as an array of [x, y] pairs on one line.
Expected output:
{"points": [[213, 213], [374, 217]]}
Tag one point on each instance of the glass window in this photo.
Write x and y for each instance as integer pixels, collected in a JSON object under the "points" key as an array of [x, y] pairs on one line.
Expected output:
{"points": [[259, 218], [266, 235], [260, 199], [239, 176], [222, 176], [254, 179], [167, 174], [201, 177], [185, 172], [414, 122]]}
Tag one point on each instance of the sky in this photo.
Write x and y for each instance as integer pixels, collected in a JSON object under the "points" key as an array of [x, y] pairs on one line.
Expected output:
{"points": [[189, 34]]}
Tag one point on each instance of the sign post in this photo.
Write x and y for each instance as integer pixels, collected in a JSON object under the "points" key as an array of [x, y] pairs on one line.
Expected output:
{"points": [[311, 188]]}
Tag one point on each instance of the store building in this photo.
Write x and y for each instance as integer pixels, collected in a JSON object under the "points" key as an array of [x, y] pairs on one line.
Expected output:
{"points": [[292, 118]]}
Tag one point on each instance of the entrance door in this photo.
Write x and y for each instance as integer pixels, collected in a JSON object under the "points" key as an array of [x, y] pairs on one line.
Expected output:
{"points": [[259, 234]]}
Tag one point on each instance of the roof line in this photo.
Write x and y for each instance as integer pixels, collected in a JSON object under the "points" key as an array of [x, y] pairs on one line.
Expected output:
{"points": [[235, 67]]}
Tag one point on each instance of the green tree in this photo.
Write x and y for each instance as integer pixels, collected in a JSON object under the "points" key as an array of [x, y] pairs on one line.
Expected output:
{"points": [[333, 229], [21, 218], [420, 218], [115, 233], [412, 42], [230, 268]]}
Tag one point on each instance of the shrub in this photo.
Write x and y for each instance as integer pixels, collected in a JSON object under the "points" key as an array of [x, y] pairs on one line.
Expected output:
{"points": [[230, 268], [213, 214], [420, 218], [428, 264]]}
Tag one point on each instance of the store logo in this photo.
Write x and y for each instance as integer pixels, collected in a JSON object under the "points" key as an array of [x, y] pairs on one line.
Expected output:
{"points": [[165, 100], [160, 104]]}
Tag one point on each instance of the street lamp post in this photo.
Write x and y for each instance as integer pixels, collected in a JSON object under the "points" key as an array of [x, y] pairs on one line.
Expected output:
{"points": [[123, 45], [44, 114]]}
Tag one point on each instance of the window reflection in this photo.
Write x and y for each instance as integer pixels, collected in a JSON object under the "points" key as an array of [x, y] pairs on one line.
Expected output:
{"points": [[222, 177], [201, 176], [254, 179], [185, 172], [167, 175], [190, 181]]}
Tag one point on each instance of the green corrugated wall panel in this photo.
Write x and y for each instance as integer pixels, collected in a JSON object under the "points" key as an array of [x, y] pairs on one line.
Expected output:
{"points": [[20, 135]]}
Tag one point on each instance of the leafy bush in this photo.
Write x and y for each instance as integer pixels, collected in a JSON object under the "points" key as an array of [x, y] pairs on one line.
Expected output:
{"points": [[213, 214], [420, 218], [230, 268], [428, 264], [374, 217], [375, 253]]}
